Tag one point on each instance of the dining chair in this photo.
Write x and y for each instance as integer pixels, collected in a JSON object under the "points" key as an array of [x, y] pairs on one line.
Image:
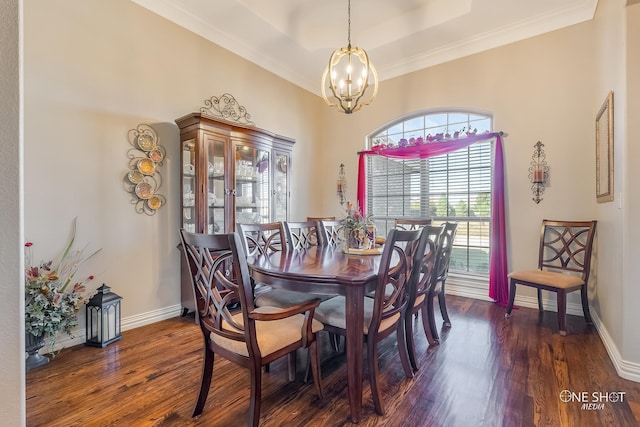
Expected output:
{"points": [[302, 234], [448, 237], [332, 230], [383, 314], [251, 337], [564, 264], [264, 239], [418, 294], [411, 223]]}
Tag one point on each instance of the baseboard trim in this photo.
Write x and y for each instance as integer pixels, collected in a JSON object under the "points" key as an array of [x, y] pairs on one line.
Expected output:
{"points": [[147, 318], [625, 369], [130, 322]]}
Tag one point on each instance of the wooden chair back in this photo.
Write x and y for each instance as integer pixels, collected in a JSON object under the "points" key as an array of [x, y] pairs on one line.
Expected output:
{"points": [[302, 235], [397, 275], [447, 239], [411, 223], [566, 246], [426, 274], [332, 230], [262, 239], [321, 218]]}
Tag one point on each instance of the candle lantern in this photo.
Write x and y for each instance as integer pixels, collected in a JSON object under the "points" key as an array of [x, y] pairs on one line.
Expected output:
{"points": [[341, 186], [103, 322]]}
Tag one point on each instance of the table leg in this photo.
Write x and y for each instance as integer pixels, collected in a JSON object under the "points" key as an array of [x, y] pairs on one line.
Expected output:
{"points": [[355, 326]]}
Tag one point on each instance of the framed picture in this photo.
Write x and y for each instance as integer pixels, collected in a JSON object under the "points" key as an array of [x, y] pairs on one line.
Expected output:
{"points": [[604, 151]]}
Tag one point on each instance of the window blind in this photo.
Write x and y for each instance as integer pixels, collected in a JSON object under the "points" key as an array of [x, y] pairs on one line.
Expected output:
{"points": [[455, 187]]}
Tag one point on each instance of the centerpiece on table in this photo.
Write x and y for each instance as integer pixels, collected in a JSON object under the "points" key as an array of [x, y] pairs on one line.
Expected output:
{"points": [[359, 231], [52, 299]]}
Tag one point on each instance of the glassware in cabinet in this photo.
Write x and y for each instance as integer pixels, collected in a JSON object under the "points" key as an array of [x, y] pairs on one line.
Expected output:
{"points": [[251, 184], [281, 192], [188, 156], [216, 185]]}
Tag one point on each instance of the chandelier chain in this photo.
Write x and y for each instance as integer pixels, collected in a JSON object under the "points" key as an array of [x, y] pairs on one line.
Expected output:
{"points": [[349, 22]]}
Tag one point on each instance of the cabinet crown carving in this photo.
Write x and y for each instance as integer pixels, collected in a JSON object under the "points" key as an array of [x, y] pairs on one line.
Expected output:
{"points": [[227, 108]]}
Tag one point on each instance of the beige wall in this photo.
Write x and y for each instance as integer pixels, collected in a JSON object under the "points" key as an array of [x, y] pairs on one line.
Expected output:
{"points": [[12, 392], [630, 347], [94, 70], [609, 61]]}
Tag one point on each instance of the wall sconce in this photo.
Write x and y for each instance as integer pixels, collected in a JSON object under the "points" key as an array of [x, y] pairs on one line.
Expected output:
{"points": [[341, 185], [538, 172], [103, 318]]}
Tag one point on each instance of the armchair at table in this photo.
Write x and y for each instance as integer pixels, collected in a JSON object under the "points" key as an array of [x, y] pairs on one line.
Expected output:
{"points": [[253, 336], [448, 237], [564, 264], [384, 313], [419, 295]]}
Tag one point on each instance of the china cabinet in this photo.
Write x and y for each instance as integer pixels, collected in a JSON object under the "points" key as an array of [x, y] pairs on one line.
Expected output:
{"points": [[230, 173]]}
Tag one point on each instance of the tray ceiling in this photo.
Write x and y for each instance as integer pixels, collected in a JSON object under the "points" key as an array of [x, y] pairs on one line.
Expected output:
{"points": [[294, 38]]}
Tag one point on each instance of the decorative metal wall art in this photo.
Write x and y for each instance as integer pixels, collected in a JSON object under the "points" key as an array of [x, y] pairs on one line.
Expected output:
{"points": [[143, 179], [538, 172], [227, 108], [341, 185]]}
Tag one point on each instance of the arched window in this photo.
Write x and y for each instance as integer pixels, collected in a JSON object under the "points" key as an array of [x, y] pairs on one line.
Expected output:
{"points": [[454, 187]]}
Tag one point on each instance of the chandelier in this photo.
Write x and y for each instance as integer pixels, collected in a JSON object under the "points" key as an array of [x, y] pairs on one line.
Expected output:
{"points": [[349, 76]]}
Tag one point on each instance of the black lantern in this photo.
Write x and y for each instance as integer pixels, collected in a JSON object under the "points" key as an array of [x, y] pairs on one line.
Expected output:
{"points": [[103, 318]]}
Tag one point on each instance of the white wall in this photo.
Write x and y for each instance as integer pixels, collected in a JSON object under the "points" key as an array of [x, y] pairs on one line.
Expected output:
{"points": [[12, 392]]}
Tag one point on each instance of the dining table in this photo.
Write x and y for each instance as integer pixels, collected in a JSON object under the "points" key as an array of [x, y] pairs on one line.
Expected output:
{"points": [[328, 270]]}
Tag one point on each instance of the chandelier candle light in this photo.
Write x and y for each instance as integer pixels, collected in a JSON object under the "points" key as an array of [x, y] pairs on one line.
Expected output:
{"points": [[348, 77], [538, 172]]}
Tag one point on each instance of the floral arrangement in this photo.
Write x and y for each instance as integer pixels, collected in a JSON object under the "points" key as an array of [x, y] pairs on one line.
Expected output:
{"points": [[52, 296], [357, 227]]}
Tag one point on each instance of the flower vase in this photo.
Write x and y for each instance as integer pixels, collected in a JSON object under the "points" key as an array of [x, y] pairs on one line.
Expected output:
{"points": [[32, 345], [354, 239]]}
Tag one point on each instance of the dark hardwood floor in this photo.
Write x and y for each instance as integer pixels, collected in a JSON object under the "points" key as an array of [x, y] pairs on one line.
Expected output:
{"points": [[487, 371]]}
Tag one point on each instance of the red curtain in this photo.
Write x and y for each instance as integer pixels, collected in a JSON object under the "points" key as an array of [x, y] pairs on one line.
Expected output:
{"points": [[498, 284]]}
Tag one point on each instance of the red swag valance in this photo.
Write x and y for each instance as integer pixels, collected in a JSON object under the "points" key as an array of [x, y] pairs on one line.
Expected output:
{"points": [[498, 284]]}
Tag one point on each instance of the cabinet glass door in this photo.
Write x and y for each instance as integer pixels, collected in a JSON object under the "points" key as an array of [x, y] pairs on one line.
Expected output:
{"points": [[216, 190], [281, 186], [252, 185], [189, 185]]}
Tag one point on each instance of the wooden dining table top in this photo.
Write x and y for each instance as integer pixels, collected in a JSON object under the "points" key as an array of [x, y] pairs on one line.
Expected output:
{"points": [[318, 265]]}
